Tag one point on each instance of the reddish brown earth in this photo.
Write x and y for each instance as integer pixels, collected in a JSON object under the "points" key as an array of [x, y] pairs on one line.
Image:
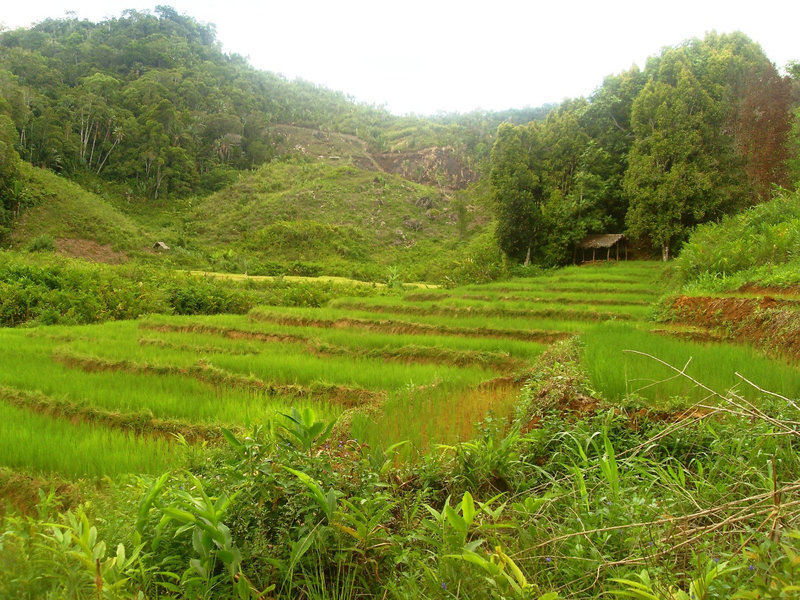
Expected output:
{"points": [[90, 250], [766, 321], [20, 492], [430, 166]]}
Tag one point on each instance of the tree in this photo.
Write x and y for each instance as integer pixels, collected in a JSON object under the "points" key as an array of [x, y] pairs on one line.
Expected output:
{"points": [[546, 186], [10, 189], [671, 178], [607, 121], [516, 191]]}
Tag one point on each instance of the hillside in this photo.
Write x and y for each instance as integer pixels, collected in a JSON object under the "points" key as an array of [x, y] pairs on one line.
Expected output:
{"points": [[77, 220], [446, 166], [300, 215], [165, 138], [150, 101], [332, 213], [741, 280]]}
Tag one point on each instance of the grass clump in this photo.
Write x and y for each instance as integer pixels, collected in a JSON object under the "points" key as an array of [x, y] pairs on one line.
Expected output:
{"points": [[41, 243], [614, 357], [43, 444]]}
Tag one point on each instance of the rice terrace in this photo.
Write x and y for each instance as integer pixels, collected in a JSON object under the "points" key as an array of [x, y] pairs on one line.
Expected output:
{"points": [[259, 341]]}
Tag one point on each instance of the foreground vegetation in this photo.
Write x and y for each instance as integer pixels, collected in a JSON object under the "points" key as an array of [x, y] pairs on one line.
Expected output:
{"points": [[349, 465], [588, 501]]}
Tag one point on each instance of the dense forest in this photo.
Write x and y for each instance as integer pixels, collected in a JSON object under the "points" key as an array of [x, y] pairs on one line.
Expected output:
{"points": [[702, 131]]}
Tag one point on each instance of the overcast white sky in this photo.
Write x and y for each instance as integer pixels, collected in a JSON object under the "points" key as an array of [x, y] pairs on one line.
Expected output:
{"points": [[428, 56]]}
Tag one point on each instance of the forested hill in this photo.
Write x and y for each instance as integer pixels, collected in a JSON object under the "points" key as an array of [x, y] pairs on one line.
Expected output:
{"points": [[151, 100], [148, 107]]}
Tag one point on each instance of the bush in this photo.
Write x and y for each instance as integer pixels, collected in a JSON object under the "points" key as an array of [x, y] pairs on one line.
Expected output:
{"points": [[194, 296], [766, 234], [41, 243]]}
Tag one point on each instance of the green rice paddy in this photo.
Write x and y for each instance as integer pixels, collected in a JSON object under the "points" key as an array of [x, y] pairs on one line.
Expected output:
{"points": [[424, 367]]}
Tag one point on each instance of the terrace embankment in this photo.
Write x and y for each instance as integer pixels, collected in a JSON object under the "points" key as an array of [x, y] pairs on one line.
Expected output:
{"points": [[490, 311], [562, 386], [228, 332], [498, 361], [21, 491], [141, 424], [405, 327], [528, 297], [770, 322], [191, 347], [337, 394]]}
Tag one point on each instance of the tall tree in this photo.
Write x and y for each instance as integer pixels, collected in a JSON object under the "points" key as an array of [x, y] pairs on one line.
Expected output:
{"points": [[673, 179], [9, 168], [517, 191]]}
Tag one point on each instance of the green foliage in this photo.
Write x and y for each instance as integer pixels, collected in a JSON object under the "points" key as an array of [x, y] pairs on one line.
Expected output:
{"points": [[41, 243], [658, 151], [59, 208], [308, 238], [74, 562], [10, 198], [302, 430], [766, 237], [677, 174], [517, 192], [57, 290], [700, 588]]}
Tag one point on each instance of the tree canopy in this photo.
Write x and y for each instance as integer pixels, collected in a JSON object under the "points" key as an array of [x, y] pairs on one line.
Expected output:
{"points": [[700, 132]]}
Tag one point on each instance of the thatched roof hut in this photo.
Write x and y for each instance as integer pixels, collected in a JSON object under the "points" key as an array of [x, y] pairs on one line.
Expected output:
{"points": [[160, 247], [600, 241]]}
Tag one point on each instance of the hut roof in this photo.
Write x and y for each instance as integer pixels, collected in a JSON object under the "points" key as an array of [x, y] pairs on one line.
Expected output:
{"points": [[160, 246], [601, 240]]}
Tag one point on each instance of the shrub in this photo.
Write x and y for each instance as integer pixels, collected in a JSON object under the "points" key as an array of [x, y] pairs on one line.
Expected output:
{"points": [[41, 243]]}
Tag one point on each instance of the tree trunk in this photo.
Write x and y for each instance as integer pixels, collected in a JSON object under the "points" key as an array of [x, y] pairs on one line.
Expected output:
{"points": [[528, 257], [665, 251]]}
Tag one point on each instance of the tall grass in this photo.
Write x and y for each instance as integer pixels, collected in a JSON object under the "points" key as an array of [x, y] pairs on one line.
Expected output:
{"points": [[356, 338], [42, 444], [442, 415], [331, 315], [464, 307], [288, 364], [27, 365]]}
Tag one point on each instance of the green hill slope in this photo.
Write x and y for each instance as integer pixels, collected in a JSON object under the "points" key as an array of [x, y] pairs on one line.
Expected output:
{"points": [[297, 216], [335, 218], [66, 212]]}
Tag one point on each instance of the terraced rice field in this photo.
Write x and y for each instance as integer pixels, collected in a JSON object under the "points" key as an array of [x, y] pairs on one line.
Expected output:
{"points": [[424, 367]]}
